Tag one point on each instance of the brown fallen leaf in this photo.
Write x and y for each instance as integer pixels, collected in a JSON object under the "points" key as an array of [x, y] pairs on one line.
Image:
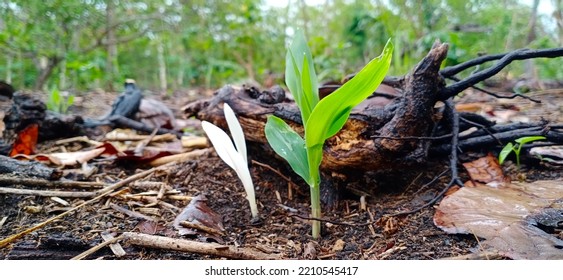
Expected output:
{"points": [[64, 159], [509, 217], [485, 170], [197, 212]]}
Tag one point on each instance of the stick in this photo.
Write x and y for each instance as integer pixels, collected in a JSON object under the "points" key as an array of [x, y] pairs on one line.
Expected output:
{"points": [[47, 193], [182, 245], [486, 255], [130, 213], [102, 193], [505, 59], [115, 247], [10, 180], [96, 248], [180, 157]]}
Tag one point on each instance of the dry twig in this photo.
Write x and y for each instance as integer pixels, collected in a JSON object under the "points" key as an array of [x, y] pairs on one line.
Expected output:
{"points": [[101, 194], [214, 249]]}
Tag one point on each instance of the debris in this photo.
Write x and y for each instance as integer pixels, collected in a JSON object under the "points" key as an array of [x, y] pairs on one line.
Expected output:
{"points": [[115, 247], [507, 216], [167, 243], [338, 245], [200, 220], [28, 169]]}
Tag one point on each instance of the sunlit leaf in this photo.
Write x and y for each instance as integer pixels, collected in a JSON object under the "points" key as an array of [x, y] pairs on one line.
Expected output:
{"points": [[288, 144], [331, 113], [300, 76], [528, 139], [505, 152]]}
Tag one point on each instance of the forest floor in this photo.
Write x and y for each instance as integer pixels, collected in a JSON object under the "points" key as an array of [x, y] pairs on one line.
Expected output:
{"points": [[348, 231]]}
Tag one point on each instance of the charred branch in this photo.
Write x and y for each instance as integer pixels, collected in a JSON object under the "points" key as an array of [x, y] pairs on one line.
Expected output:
{"points": [[503, 61]]}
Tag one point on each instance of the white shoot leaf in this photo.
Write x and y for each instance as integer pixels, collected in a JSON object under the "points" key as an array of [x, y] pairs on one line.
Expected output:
{"points": [[227, 152], [236, 130], [220, 141], [244, 175]]}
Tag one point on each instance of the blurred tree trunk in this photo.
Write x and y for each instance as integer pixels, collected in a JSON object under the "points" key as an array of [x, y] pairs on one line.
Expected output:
{"points": [[161, 66], [531, 72], [62, 75], [558, 15], [9, 61], [45, 65], [111, 59]]}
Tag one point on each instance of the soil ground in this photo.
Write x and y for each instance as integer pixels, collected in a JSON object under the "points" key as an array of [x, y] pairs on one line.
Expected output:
{"points": [[348, 231]]}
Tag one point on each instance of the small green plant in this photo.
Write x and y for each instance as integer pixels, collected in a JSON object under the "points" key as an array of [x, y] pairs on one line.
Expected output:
{"points": [[516, 148], [58, 102], [321, 119]]}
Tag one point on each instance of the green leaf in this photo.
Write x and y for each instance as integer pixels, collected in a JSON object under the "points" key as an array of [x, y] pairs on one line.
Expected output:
{"points": [[294, 83], [54, 102], [528, 139], [300, 76], [331, 113], [505, 152], [288, 144]]}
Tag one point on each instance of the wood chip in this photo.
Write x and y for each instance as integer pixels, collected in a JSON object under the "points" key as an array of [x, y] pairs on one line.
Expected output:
{"points": [[2, 221], [338, 245], [115, 247], [60, 201]]}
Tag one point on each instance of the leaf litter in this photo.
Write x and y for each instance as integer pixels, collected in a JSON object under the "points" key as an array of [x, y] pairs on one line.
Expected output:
{"points": [[517, 219]]}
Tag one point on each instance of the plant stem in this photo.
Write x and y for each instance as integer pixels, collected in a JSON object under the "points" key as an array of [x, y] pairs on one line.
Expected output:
{"points": [[517, 152], [316, 209]]}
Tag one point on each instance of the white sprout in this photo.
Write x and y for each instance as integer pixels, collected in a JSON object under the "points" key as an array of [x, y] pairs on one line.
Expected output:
{"points": [[235, 158]]}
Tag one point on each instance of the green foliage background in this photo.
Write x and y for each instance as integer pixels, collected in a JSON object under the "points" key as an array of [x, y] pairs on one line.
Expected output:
{"points": [[208, 43]]}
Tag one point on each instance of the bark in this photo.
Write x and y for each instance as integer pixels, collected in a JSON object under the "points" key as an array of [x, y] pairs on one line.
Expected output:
{"points": [[28, 169]]}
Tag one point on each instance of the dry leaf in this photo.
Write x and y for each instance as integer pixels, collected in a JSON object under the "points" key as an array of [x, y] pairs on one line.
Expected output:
{"points": [[26, 141], [64, 159], [197, 212], [509, 217], [485, 170]]}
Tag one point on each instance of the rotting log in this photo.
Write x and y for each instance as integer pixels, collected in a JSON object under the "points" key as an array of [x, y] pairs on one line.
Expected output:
{"points": [[410, 114], [395, 128]]}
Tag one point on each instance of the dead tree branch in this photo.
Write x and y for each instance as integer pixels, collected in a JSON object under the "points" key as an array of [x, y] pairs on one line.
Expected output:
{"points": [[503, 61]]}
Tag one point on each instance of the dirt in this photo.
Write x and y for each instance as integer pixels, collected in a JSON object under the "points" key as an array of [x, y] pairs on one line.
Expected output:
{"points": [[348, 231]]}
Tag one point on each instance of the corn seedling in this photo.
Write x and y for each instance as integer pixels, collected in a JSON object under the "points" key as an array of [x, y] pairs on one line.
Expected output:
{"points": [[233, 157], [516, 148], [321, 119]]}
